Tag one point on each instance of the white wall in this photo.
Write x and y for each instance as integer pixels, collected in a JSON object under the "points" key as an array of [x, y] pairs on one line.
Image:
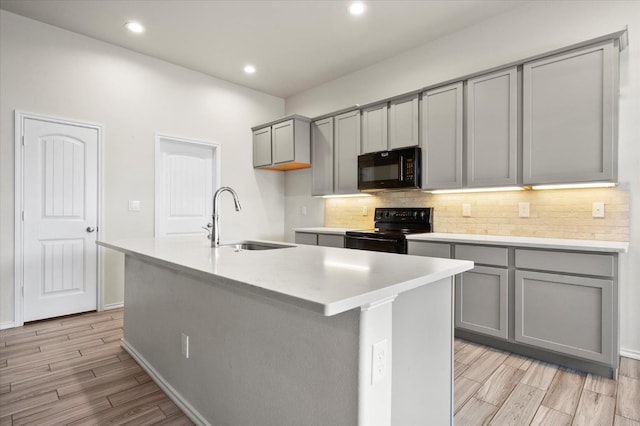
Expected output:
{"points": [[534, 28], [51, 71]]}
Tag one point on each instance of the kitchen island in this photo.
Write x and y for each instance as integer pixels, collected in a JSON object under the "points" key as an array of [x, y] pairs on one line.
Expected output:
{"points": [[297, 335]]}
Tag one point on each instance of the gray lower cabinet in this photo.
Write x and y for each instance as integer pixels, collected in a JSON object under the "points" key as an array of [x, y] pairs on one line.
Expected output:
{"points": [[492, 129], [567, 302], [306, 238], [482, 294], [319, 239], [482, 301], [569, 116], [558, 305], [441, 118], [568, 314], [322, 157], [423, 248], [347, 149]]}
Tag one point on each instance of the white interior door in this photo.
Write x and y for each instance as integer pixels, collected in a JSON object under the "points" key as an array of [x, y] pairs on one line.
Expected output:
{"points": [[185, 181], [60, 204]]}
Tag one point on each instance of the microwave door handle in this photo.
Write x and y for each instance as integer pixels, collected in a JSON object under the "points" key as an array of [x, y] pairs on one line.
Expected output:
{"points": [[401, 177]]}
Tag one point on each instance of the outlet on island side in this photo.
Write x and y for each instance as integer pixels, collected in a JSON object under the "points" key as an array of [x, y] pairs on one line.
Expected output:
{"points": [[379, 361], [185, 346]]}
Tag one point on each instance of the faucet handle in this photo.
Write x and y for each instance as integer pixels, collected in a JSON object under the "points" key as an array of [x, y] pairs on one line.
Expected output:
{"points": [[208, 229]]}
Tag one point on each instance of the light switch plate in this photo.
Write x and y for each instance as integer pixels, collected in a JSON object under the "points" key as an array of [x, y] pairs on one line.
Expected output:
{"points": [[466, 210], [523, 209], [134, 205], [597, 209]]}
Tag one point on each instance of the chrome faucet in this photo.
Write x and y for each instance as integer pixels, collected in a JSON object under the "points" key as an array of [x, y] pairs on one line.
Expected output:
{"points": [[215, 231]]}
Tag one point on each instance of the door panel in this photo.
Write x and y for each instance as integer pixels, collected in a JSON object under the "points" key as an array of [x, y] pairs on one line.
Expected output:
{"points": [[185, 186], [60, 219]]}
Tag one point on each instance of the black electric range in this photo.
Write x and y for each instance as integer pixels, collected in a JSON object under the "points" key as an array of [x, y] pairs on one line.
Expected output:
{"points": [[391, 227]]}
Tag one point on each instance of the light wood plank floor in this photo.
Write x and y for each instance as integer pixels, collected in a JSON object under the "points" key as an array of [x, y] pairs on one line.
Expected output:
{"points": [[72, 370], [499, 388]]}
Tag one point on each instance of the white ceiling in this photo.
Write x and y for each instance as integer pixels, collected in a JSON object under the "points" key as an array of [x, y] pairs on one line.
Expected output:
{"points": [[295, 45]]}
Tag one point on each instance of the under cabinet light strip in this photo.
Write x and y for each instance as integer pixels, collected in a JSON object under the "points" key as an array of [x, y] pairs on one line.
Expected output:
{"points": [[467, 190], [346, 195], [576, 185]]}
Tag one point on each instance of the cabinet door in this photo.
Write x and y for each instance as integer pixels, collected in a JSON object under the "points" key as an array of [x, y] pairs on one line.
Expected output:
{"points": [[262, 147], [374, 129], [492, 129], [404, 122], [441, 117], [567, 314], [282, 141], [347, 148], [327, 240], [569, 117], [306, 238], [322, 156], [482, 301]]}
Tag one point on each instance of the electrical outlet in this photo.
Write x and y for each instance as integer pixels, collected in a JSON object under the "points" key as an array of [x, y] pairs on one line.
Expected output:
{"points": [[303, 210], [597, 209], [379, 357], [185, 346], [466, 210], [523, 209], [365, 211]]}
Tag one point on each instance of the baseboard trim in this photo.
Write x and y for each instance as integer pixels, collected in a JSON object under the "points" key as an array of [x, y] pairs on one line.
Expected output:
{"points": [[110, 306], [173, 394], [5, 325], [628, 353]]}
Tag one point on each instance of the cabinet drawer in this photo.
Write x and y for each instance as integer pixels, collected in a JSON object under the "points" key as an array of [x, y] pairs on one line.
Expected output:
{"points": [[306, 238], [497, 256], [429, 249], [327, 240], [577, 263]]}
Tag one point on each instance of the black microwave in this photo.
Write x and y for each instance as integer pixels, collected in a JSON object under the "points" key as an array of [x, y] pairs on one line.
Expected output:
{"points": [[397, 169]]}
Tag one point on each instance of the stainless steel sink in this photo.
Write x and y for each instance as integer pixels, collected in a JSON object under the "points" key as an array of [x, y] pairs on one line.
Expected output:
{"points": [[254, 245]]}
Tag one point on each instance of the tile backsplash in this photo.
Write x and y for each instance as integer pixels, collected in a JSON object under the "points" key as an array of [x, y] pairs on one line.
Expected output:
{"points": [[556, 213]]}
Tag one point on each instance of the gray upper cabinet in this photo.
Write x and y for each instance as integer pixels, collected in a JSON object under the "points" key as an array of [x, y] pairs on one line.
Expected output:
{"points": [[322, 156], [492, 129], [283, 144], [262, 147], [442, 121], [404, 122], [569, 116], [374, 128], [347, 149]]}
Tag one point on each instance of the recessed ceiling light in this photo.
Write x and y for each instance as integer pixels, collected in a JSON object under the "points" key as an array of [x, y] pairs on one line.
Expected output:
{"points": [[357, 8], [134, 27], [249, 69]]}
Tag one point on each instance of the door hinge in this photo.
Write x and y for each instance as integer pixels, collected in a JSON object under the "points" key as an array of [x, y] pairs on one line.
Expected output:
{"points": [[22, 290], [22, 215], [22, 140]]}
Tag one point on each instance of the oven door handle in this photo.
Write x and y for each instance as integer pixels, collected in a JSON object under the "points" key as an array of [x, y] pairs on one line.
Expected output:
{"points": [[383, 240]]}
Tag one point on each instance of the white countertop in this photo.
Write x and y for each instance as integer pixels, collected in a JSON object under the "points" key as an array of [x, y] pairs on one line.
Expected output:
{"points": [[534, 242], [323, 230], [324, 279]]}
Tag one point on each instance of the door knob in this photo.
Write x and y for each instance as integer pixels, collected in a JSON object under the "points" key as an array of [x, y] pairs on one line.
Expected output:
{"points": [[90, 229]]}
